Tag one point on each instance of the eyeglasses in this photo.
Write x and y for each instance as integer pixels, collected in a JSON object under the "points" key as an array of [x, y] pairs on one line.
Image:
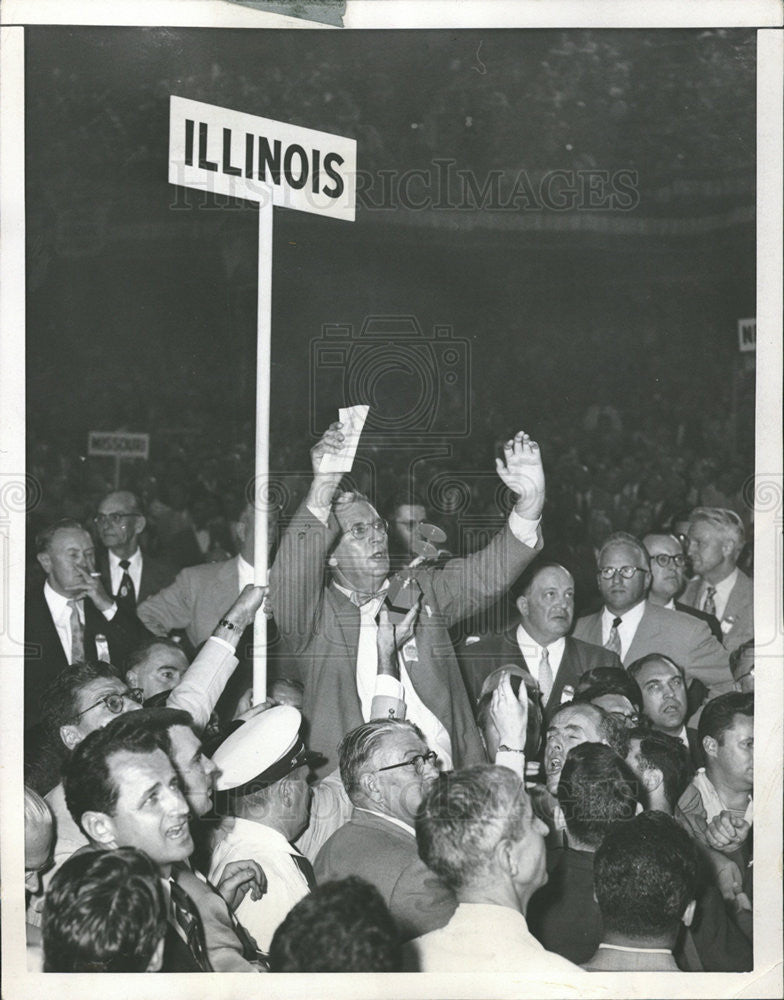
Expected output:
{"points": [[631, 717], [115, 702], [363, 528], [419, 762], [664, 560], [627, 572], [113, 519]]}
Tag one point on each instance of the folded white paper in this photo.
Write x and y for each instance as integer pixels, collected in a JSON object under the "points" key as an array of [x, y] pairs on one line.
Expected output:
{"points": [[353, 419]]}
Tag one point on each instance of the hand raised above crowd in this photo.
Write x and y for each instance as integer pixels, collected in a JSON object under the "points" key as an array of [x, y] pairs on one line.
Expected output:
{"points": [[521, 470]]}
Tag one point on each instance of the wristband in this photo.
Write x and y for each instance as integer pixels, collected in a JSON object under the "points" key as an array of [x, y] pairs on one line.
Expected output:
{"points": [[225, 623]]}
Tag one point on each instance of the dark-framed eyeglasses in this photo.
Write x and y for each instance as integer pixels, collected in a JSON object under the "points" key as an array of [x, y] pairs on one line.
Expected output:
{"points": [[113, 519], [115, 701], [663, 560], [627, 718], [627, 572], [363, 528], [420, 761]]}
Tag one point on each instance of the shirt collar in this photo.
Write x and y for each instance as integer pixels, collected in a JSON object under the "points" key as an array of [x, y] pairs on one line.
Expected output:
{"points": [[58, 604], [391, 819], [631, 617], [260, 833], [724, 587], [135, 561], [525, 641], [348, 592]]}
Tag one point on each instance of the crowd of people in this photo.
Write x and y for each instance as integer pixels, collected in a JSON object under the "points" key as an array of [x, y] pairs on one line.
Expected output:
{"points": [[567, 790]]}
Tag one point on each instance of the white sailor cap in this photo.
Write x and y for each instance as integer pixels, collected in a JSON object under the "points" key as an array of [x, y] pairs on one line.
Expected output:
{"points": [[261, 751]]}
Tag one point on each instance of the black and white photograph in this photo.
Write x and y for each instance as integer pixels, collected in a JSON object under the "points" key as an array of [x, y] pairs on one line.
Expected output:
{"points": [[391, 498]]}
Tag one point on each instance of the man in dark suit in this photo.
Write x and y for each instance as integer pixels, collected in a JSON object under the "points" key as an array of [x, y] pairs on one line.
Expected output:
{"points": [[386, 767], [633, 627], [63, 618], [331, 631], [127, 572], [539, 643], [716, 537], [668, 578]]}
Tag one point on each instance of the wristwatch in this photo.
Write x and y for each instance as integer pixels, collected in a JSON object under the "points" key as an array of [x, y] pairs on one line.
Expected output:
{"points": [[503, 746]]}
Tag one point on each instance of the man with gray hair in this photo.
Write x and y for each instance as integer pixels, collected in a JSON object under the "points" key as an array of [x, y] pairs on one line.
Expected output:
{"points": [[716, 538], [386, 767], [477, 831], [633, 627], [330, 631]]}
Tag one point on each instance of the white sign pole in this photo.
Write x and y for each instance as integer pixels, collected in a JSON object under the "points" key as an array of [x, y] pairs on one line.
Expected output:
{"points": [[221, 151], [261, 485]]}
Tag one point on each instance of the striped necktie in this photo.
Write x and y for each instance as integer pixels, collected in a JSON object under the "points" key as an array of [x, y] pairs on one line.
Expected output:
{"points": [[709, 605], [613, 639], [77, 633], [187, 917]]}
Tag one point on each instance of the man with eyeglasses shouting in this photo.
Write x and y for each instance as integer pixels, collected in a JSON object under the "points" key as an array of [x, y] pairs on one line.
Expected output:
{"points": [[127, 572], [633, 626], [63, 618], [331, 631], [668, 578], [386, 768]]}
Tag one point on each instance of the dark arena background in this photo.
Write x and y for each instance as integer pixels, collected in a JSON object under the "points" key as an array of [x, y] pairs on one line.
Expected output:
{"points": [[555, 231]]}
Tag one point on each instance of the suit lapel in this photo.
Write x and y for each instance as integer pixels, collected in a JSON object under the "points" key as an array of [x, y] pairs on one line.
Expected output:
{"points": [[648, 628]]}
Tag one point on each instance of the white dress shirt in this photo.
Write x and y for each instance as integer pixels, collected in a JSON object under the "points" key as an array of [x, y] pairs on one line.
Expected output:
{"points": [[60, 610], [532, 653], [630, 621], [134, 571], [722, 595], [286, 885], [485, 937]]}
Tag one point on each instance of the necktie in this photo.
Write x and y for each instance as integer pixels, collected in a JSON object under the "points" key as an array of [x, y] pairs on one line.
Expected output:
{"points": [[77, 633], [709, 606], [613, 639], [187, 917], [126, 595], [306, 868], [545, 675]]}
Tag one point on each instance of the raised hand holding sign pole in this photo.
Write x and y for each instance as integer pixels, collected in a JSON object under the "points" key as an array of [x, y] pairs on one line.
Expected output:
{"points": [[221, 151]]}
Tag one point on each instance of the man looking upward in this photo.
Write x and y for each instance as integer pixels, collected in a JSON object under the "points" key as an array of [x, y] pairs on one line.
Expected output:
{"points": [[332, 631]]}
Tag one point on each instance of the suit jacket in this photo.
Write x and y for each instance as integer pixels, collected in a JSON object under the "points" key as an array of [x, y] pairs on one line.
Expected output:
{"points": [[479, 659], [199, 597], [710, 620], [682, 637], [224, 948], [737, 622], [44, 654], [563, 914], [385, 855], [319, 629], [157, 573]]}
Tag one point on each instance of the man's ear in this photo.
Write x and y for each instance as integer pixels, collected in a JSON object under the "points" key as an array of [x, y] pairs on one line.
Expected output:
{"points": [[688, 913], [368, 782], [141, 524], [46, 562], [710, 745], [522, 605], [70, 736], [99, 827], [132, 679], [503, 857]]}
